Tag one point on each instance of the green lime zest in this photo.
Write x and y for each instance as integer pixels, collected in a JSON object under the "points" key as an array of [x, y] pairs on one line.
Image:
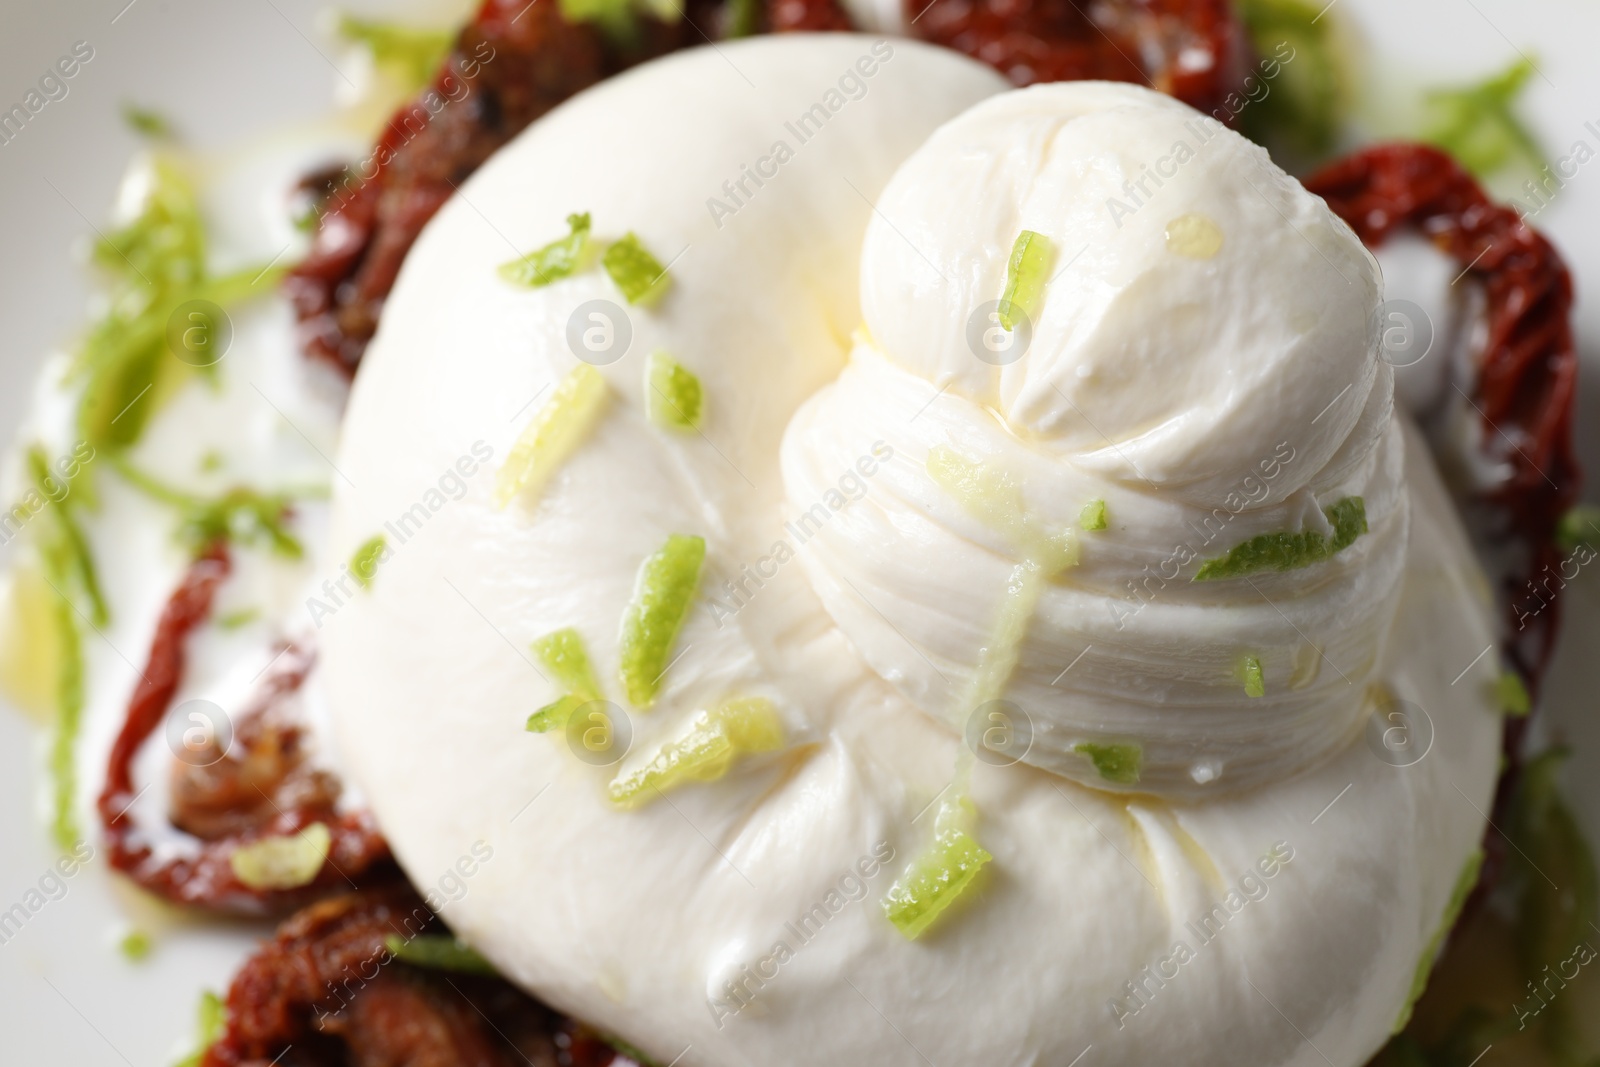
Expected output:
{"points": [[1306, 74], [663, 593], [414, 54], [938, 876], [1580, 526], [283, 862], [553, 435], [555, 715], [1512, 695], [439, 953], [672, 395], [68, 567], [558, 259], [630, 1051], [1093, 516], [1117, 762], [241, 515], [364, 561], [618, 19], [1250, 673], [564, 655], [743, 19], [67, 536], [70, 700], [152, 265], [1465, 881], [1478, 125], [146, 122], [705, 752], [639, 275], [237, 620], [135, 945], [211, 1021], [244, 516], [1026, 274], [1289, 551]]}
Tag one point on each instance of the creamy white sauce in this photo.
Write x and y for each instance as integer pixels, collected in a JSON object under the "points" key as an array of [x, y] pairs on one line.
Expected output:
{"points": [[272, 417]]}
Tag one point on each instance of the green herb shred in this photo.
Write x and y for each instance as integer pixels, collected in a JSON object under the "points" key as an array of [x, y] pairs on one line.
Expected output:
{"points": [[1512, 695], [242, 515], [415, 54], [1117, 762], [212, 1020], [673, 395], [939, 875], [68, 567], [154, 264], [1306, 78], [742, 19], [145, 122], [1026, 274], [639, 275], [1478, 124], [237, 620], [364, 562], [618, 19], [135, 945], [1580, 526], [564, 655], [1255, 681], [558, 259], [439, 953], [1288, 551], [663, 593]]}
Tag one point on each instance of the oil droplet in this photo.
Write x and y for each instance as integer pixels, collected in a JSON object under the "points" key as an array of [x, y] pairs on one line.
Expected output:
{"points": [[1194, 237]]}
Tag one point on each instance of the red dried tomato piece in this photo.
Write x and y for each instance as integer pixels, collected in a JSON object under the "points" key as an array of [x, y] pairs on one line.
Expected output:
{"points": [[327, 987], [1194, 50], [296, 798], [514, 62], [806, 16], [1527, 374]]}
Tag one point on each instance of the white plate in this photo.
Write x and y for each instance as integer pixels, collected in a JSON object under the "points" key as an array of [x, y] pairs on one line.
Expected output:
{"points": [[227, 72]]}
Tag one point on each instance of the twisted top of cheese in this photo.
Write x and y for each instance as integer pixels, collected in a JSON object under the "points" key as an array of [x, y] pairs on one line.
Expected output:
{"points": [[1201, 360]]}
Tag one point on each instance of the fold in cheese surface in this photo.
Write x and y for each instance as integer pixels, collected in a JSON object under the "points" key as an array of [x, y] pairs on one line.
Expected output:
{"points": [[1200, 361]]}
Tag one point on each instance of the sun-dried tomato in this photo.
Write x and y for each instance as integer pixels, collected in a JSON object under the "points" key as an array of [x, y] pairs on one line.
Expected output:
{"points": [[1527, 372], [1194, 50], [511, 64], [327, 988], [205, 877], [806, 16]]}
